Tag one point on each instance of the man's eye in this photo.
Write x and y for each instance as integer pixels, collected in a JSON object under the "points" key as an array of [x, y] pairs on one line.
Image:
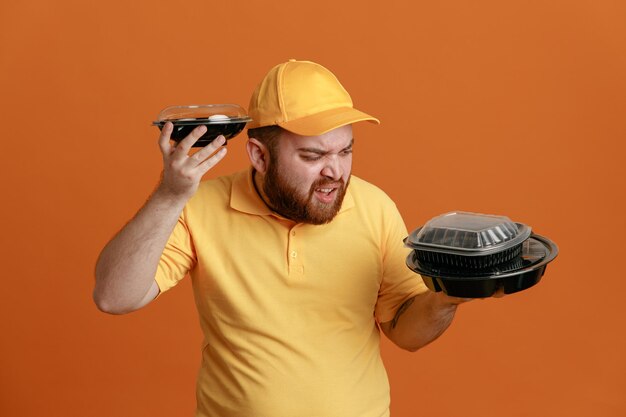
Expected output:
{"points": [[346, 152], [310, 157]]}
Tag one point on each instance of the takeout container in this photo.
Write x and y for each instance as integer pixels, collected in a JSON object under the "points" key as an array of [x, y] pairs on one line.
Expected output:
{"points": [[473, 255], [220, 119]]}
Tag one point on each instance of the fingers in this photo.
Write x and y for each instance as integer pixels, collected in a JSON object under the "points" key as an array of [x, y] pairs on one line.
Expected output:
{"points": [[164, 139], [185, 145], [207, 157], [499, 293], [449, 299], [177, 158], [209, 163], [209, 149], [182, 172], [459, 300]]}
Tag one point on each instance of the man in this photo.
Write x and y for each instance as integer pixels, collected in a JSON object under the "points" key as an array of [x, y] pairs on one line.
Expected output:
{"points": [[295, 263]]}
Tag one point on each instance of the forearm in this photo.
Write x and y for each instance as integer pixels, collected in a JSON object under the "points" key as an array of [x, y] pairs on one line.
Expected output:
{"points": [[421, 320], [127, 266]]}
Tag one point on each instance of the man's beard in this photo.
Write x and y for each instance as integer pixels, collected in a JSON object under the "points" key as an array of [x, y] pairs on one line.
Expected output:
{"points": [[286, 200]]}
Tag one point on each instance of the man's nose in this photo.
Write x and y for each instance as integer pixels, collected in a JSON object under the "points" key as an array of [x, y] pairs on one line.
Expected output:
{"points": [[332, 168]]}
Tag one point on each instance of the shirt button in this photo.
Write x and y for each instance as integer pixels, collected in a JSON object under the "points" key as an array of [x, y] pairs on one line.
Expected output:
{"points": [[294, 254], [293, 233]]}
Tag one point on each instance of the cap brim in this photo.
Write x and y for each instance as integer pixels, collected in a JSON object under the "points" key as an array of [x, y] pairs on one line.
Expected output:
{"points": [[320, 123]]}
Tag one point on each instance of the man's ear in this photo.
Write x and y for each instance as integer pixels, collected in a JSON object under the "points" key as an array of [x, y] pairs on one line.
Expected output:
{"points": [[258, 154]]}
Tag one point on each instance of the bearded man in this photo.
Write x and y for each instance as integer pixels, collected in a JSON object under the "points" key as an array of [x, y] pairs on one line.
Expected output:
{"points": [[296, 264]]}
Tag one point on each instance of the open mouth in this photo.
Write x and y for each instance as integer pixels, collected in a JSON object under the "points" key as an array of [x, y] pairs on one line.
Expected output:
{"points": [[326, 193]]}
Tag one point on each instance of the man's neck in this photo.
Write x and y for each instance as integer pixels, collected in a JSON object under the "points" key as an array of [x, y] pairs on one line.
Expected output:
{"points": [[257, 181]]}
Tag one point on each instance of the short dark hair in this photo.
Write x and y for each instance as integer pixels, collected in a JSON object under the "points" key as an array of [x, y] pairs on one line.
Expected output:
{"points": [[267, 135]]}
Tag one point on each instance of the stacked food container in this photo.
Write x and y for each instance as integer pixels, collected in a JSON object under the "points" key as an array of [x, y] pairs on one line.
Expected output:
{"points": [[474, 255]]}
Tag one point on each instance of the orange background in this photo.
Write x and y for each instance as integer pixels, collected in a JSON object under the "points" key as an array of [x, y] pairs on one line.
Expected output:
{"points": [[505, 107]]}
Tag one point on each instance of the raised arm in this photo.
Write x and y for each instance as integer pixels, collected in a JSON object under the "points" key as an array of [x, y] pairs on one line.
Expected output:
{"points": [[127, 265]]}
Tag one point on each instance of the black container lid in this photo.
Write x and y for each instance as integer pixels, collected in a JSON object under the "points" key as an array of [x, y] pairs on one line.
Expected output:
{"points": [[468, 234]]}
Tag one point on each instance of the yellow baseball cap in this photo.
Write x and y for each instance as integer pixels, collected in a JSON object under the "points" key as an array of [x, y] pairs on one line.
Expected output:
{"points": [[304, 98]]}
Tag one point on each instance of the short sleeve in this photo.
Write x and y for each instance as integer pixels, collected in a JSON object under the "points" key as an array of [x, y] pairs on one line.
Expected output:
{"points": [[399, 283], [177, 259]]}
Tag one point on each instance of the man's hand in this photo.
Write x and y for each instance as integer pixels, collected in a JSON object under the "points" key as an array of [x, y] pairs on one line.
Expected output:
{"points": [[182, 172], [453, 300], [460, 300], [423, 318]]}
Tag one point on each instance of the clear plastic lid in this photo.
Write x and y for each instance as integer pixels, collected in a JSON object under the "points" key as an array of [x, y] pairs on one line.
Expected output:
{"points": [[204, 114], [468, 234]]}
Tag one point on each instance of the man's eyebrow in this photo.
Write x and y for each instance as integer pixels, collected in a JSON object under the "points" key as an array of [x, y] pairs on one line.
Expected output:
{"points": [[323, 152]]}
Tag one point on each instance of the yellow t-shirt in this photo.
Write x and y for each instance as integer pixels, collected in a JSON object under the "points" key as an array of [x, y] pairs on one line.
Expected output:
{"points": [[289, 310]]}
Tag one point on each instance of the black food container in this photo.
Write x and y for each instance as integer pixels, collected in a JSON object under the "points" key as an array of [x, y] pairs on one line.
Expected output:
{"points": [[220, 119], [473, 255]]}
